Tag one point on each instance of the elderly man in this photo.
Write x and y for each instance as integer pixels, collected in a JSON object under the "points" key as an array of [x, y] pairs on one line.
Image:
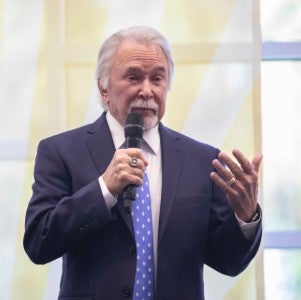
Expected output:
{"points": [[201, 206]]}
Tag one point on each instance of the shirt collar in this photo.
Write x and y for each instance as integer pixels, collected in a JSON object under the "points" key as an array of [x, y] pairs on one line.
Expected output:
{"points": [[151, 136]]}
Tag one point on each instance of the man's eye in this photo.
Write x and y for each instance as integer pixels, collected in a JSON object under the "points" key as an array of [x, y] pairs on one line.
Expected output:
{"points": [[132, 78], [158, 78]]}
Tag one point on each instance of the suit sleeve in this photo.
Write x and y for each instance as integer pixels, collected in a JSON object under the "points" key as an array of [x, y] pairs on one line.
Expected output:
{"points": [[58, 220], [228, 250]]}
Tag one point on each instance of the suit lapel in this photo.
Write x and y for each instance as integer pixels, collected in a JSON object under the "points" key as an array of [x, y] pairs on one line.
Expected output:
{"points": [[172, 158], [100, 143], [101, 148]]}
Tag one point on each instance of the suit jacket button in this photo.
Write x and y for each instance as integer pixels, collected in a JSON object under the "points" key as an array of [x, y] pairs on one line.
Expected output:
{"points": [[126, 292]]}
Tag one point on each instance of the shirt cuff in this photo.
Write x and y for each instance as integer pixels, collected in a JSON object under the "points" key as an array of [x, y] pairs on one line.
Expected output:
{"points": [[249, 229], [110, 200]]}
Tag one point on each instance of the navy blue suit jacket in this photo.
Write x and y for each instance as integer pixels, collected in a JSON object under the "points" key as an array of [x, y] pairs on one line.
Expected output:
{"points": [[67, 216]]}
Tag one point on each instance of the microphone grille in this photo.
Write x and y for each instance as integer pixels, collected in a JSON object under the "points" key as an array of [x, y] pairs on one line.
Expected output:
{"points": [[134, 125], [134, 118]]}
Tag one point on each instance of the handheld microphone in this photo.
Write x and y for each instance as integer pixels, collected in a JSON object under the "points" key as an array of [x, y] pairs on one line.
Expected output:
{"points": [[133, 132]]}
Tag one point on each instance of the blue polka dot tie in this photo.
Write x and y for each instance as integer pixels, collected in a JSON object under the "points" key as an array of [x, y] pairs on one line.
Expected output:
{"points": [[142, 221]]}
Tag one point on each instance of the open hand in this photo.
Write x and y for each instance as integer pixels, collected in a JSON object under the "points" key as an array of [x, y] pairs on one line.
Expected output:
{"points": [[239, 181]]}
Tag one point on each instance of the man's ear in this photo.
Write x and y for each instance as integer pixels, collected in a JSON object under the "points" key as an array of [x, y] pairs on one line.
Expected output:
{"points": [[103, 93]]}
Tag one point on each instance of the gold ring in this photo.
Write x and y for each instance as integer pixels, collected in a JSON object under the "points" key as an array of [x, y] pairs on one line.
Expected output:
{"points": [[133, 162], [231, 181]]}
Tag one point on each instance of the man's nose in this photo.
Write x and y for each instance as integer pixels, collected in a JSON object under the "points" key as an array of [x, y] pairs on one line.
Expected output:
{"points": [[146, 89]]}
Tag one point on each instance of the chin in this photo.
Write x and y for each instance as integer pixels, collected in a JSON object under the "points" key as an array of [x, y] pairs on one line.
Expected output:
{"points": [[150, 122]]}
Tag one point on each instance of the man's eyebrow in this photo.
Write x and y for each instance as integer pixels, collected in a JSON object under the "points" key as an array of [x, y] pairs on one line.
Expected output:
{"points": [[135, 69], [132, 69], [160, 69]]}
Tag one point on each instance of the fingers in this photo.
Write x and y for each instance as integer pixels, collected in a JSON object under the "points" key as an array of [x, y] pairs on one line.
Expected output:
{"points": [[256, 162], [226, 180], [136, 161], [244, 166], [235, 169], [239, 180], [225, 174], [243, 161], [127, 167], [222, 184]]}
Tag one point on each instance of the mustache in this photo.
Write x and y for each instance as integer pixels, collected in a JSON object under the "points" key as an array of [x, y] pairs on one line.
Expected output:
{"points": [[149, 104]]}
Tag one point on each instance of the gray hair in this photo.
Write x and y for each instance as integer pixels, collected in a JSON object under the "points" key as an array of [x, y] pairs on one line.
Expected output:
{"points": [[140, 34]]}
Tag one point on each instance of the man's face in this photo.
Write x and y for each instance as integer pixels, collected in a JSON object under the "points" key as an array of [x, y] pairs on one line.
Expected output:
{"points": [[138, 82]]}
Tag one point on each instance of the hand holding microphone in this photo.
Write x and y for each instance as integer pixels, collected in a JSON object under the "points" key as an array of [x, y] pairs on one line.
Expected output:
{"points": [[123, 174], [133, 132]]}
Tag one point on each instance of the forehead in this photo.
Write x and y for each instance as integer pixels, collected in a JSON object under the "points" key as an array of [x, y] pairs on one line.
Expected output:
{"points": [[133, 53]]}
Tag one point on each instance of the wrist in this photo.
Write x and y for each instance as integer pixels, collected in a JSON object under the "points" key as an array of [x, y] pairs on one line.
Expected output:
{"points": [[255, 216]]}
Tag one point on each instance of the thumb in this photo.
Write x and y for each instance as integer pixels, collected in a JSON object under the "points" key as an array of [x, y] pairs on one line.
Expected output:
{"points": [[256, 162]]}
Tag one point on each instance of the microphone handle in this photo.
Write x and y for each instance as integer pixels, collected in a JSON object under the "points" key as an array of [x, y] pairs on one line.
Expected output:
{"points": [[129, 195], [129, 192]]}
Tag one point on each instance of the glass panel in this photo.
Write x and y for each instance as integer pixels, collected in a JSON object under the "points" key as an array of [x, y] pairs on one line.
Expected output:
{"points": [[280, 20], [11, 191], [281, 107], [282, 274]]}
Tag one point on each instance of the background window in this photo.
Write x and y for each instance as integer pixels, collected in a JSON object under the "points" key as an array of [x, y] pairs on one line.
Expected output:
{"points": [[281, 107]]}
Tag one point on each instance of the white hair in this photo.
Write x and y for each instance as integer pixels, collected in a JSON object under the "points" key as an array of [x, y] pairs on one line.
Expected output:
{"points": [[140, 34]]}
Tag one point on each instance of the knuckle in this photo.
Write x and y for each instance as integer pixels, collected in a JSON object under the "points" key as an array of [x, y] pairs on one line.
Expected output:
{"points": [[122, 176], [237, 194], [139, 181], [250, 182]]}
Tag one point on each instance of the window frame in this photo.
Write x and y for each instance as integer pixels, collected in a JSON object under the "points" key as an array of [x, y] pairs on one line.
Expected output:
{"points": [[280, 51]]}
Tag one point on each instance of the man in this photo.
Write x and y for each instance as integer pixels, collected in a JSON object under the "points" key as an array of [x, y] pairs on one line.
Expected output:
{"points": [[203, 204]]}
